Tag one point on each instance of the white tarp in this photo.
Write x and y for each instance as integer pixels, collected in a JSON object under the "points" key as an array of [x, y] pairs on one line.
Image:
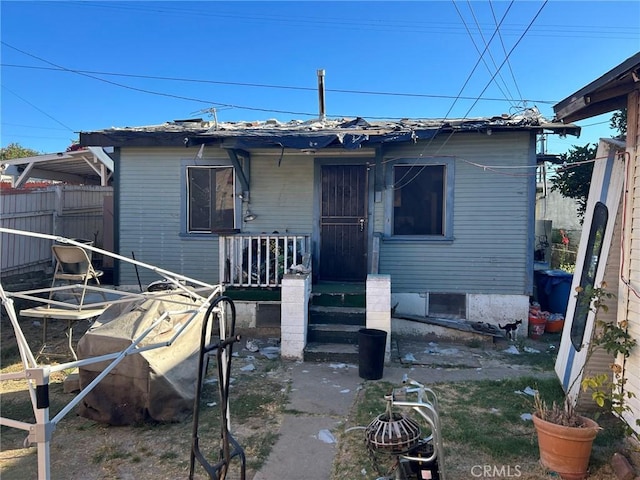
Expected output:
{"points": [[155, 385]]}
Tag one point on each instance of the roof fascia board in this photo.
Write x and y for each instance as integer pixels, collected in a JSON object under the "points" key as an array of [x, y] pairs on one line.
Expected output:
{"points": [[568, 105], [127, 138], [598, 109], [595, 103], [39, 159]]}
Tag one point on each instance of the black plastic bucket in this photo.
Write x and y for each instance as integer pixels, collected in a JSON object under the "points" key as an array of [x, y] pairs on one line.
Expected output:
{"points": [[371, 349]]}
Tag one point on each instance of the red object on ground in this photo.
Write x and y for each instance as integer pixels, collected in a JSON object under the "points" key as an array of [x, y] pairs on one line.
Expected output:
{"points": [[537, 325]]}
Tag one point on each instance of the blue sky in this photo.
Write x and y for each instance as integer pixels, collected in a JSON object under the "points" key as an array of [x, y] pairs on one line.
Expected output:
{"points": [[72, 66]]}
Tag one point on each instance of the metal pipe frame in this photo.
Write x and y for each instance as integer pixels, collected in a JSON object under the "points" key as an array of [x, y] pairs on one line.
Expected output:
{"points": [[426, 406], [37, 375]]}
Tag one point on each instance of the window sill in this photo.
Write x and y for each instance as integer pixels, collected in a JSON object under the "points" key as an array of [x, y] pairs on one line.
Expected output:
{"points": [[207, 235]]}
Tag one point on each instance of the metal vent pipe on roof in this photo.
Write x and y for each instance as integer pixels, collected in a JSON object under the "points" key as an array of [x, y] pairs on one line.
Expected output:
{"points": [[322, 114]]}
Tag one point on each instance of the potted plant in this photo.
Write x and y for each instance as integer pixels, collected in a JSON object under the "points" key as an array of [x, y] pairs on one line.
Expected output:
{"points": [[565, 437]]}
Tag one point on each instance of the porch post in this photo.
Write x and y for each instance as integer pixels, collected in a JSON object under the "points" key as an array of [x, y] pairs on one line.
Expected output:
{"points": [[294, 313], [379, 307]]}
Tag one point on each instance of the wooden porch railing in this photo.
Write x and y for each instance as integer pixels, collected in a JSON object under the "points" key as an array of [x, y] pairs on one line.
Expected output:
{"points": [[248, 260]]}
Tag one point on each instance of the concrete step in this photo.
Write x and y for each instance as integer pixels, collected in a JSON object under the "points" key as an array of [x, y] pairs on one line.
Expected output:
{"points": [[337, 315], [338, 299], [333, 333], [331, 352]]}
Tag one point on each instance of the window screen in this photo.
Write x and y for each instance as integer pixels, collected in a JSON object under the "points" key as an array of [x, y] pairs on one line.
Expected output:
{"points": [[210, 199], [418, 202]]}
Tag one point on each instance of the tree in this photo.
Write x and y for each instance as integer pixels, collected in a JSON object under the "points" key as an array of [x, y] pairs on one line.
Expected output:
{"points": [[574, 179], [15, 150], [619, 122]]}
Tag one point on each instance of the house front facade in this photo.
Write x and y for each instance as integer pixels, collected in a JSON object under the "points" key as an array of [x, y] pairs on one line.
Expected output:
{"points": [[444, 208]]}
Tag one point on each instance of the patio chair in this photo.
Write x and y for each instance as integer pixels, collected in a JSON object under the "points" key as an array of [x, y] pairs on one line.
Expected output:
{"points": [[74, 269], [73, 265]]}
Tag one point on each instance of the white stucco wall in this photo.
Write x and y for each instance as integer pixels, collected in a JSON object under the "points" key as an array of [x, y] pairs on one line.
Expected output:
{"points": [[490, 308]]}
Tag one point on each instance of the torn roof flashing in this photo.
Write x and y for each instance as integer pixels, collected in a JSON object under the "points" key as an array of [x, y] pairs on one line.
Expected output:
{"points": [[314, 134]]}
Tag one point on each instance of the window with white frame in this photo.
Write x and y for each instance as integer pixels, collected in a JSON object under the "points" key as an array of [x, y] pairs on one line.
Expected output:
{"points": [[419, 200], [210, 199]]}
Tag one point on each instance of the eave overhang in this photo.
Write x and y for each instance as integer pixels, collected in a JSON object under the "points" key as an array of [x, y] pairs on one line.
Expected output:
{"points": [[603, 95]]}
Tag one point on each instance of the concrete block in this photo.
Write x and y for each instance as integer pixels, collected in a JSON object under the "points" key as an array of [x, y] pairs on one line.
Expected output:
{"points": [[299, 329], [621, 467], [292, 350]]}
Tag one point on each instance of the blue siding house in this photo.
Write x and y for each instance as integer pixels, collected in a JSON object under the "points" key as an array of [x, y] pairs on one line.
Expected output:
{"points": [[444, 207]]}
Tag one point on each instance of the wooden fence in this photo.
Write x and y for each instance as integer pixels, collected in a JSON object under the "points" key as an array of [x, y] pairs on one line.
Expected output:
{"points": [[76, 212]]}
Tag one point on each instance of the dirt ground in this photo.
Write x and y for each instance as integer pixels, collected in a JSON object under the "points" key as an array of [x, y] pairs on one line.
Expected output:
{"points": [[84, 449]]}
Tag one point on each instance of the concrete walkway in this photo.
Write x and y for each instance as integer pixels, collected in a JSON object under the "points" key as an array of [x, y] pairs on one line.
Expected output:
{"points": [[322, 395]]}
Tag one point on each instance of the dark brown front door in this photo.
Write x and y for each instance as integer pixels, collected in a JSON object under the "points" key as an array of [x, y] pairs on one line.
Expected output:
{"points": [[343, 228]]}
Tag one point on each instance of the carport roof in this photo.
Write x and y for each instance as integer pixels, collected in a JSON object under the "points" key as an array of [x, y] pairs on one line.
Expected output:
{"points": [[87, 166]]}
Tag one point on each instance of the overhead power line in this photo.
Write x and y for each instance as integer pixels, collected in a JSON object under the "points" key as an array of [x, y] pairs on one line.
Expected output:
{"points": [[37, 108], [386, 24], [486, 47], [263, 85]]}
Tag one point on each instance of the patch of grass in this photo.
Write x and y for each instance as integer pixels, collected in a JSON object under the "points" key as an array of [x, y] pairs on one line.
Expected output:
{"points": [[251, 404], [87, 426], [543, 361], [352, 455], [257, 448], [481, 425], [293, 411], [109, 451], [485, 415], [9, 354], [168, 456]]}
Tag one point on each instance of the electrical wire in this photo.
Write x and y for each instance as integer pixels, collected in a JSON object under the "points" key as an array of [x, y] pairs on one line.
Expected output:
{"points": [[453, 104], [504, 51], [282, 87], [485, 88], [38, 109], [30, 126], [486, 44], [387, 24], [162, 94]]}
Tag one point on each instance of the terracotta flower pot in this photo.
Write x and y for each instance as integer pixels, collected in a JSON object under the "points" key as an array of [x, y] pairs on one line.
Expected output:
{"points": [[566, 450]]}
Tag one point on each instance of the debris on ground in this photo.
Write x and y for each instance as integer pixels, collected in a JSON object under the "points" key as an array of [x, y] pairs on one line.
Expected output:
{"points": [[326, 436]]}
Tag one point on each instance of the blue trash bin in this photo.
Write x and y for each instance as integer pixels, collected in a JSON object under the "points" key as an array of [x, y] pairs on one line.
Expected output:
{"points": [[554, 288]]}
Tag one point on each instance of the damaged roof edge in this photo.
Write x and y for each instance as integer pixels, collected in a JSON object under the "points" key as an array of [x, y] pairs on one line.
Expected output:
{"points": [[348, 134]]}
